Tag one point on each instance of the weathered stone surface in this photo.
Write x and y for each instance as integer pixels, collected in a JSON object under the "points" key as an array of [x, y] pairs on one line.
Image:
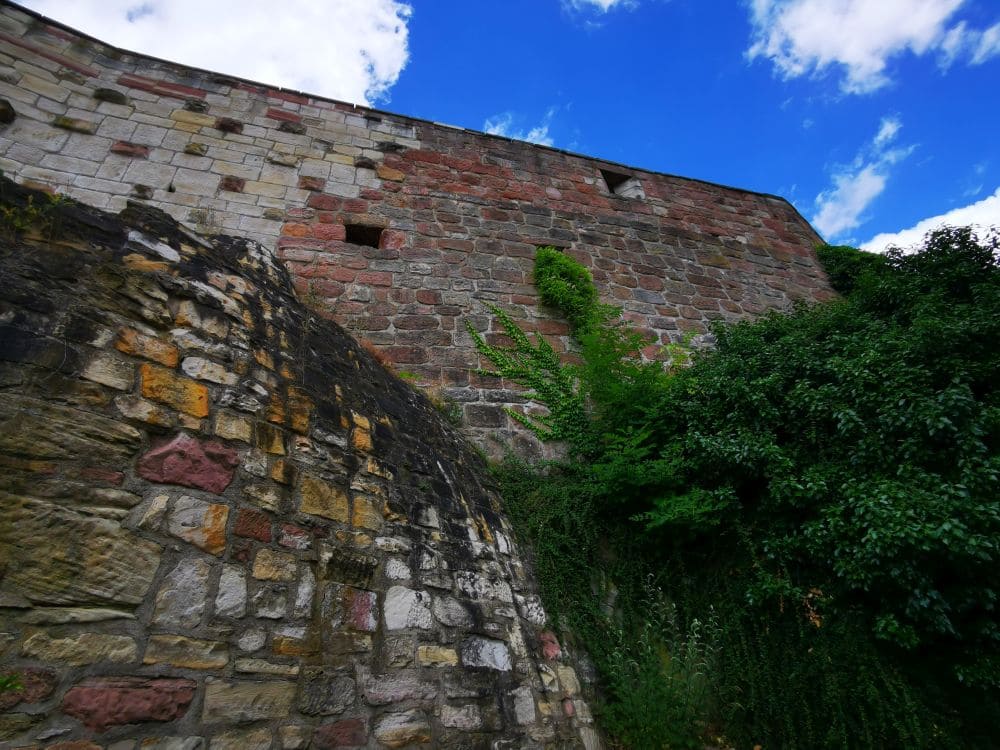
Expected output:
{"points": [[436, 656], [131, 341], [109, 370], [243, 739], [87, 560], [183, 394], [320, 498], [233, 702], [172, 743], [181, 600], [80, 649], [187, 461], [204, 369], [343, 733], [270, 565], [200, 523], [406, 608], [397, 686], [42, 430], [36, 685], [231, 599], [449, 611], [361, 609], [324, 694], [191, 653], [486, 652], [401, 729], [104, 702], [467, 717], [524, 705]]}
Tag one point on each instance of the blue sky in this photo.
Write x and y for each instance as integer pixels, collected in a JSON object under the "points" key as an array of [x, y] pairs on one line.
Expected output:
{"points": [[876, 118]]}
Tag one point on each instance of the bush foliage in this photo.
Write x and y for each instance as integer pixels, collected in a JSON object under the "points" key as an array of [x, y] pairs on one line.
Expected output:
{"points": [[827, 481]]}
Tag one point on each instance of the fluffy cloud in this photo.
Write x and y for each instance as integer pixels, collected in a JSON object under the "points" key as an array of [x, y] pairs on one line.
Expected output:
{"points": [[860, 36], [857, 184], [503, 124], [982, 214], [600, 5], [353, 50]]}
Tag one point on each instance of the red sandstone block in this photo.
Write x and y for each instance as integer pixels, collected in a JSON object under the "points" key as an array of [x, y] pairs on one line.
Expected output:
{"points": [[232, 184], [343, 733], [323, 202], [428, 297], [371, 323], [329, 232], [393, 239], [125, 148], [335, 273], [406, 355], [415, 322], [184, 460], [276, 113], [375, 278], [316, 184], [104, 702], [326, 288], [253, 524], [355, 206]]}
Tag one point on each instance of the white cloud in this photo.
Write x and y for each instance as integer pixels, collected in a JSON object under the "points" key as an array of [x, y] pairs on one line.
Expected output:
{"points": [[860, 36], [353, 50], [599, 5], [856, 185], [981, 214], [503, 124]]}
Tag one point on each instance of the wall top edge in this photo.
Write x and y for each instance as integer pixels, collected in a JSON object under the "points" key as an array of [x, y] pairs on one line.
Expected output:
{"points": [[363, 109]]}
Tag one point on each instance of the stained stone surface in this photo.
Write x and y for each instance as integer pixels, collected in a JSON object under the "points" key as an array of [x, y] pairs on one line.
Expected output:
{"points": [[300, 555]]}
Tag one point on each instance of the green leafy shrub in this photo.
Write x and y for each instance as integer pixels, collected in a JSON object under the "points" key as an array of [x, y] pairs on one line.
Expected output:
{"points": [[836, 468]]}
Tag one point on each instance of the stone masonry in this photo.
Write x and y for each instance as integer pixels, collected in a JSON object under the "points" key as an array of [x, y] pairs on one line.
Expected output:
{"points": [[400, 229], [224, 525]]}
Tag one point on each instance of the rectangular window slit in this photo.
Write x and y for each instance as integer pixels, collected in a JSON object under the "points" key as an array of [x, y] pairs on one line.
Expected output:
{"points": [[359, 234], [624, 185]]}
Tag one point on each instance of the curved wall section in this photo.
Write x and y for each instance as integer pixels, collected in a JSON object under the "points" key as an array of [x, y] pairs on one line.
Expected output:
{"points": [[224, 525]]}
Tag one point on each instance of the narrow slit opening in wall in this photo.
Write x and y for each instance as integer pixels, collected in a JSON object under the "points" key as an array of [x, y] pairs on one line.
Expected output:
{"points": [[359, 234], [624, 185]]}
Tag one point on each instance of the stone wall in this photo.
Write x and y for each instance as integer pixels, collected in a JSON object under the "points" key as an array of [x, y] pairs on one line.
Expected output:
{"points": [[399, 229], [224, 525]]}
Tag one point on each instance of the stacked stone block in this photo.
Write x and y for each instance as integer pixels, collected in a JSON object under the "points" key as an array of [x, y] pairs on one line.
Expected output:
{"points": [[224, 525], [456, 215]]}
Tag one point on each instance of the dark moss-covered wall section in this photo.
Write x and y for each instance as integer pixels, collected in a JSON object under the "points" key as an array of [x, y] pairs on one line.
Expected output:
{"points": [[223, 524]]}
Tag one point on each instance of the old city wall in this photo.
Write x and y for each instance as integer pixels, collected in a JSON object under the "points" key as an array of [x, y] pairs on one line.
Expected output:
{"points": [[224, 525], [400, 229]]}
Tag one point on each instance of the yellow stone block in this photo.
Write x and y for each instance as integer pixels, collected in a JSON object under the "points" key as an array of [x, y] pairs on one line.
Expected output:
{"points": [[361, 440], [436, 656], [270, 565], [130, 341], [388, 173], [193, 118], [322, 499], [183, 394], [367, 513], [191, 653], [233, 427]]}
